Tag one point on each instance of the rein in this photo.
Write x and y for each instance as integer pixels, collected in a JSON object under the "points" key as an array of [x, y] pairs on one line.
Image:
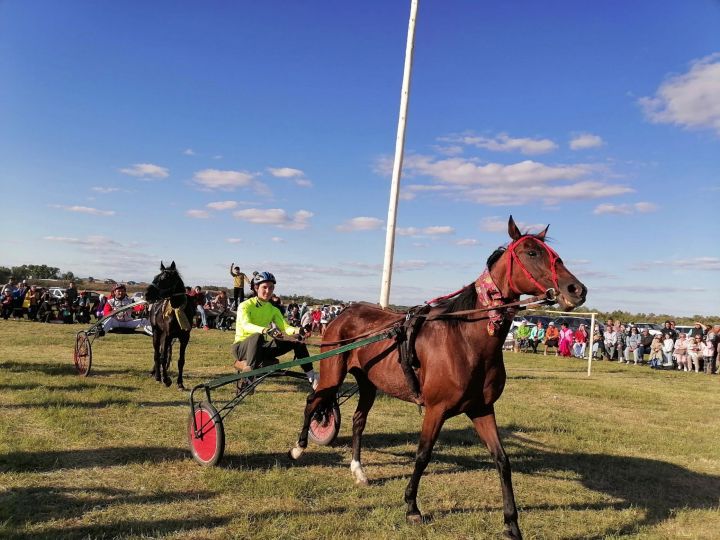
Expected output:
{"points": [[515, 259]]}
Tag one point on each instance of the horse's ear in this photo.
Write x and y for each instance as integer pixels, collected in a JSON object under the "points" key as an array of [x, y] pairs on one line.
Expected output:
{"points": [[172, 265], [541, 235], [513, 230], [162, 266]]}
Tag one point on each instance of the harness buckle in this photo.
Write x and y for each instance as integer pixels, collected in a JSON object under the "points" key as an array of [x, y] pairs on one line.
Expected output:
{"points": [[551, 295]]}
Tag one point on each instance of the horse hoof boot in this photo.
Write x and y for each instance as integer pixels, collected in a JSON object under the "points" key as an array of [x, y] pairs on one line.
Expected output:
{"points": [[167, 381], [414, 518], [181, 386], [295, 453]]}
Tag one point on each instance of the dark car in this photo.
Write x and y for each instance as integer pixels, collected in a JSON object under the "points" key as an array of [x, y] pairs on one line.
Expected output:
{"points": [[573, 322]]}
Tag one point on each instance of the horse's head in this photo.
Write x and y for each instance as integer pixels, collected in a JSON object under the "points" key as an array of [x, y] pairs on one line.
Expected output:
{"points": [[530, 266], [165, 284]]}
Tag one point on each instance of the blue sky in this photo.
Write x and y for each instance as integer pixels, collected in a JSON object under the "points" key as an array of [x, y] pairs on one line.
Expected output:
{"points": [[262, 133]]}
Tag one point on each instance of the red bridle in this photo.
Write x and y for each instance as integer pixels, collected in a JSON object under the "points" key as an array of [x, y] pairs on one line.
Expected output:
{"points": [[515, 259]]}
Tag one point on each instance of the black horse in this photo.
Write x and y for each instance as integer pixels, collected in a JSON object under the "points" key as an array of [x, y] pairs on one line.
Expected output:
{"points": [[168, 303]]}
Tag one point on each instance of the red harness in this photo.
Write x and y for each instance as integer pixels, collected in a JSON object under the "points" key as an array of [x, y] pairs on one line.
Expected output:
{"points": [[515, 259]]}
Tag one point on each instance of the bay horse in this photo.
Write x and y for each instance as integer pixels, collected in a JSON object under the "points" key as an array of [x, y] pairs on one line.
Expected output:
{"points": [[168, 303], [461, 368]]}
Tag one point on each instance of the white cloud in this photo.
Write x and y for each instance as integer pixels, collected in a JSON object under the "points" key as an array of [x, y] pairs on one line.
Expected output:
{"points": [[84, 210], [504, 143], [92, 241], [286, 172], [234, 240], [145, 170], [361, 224], [276, 217], [222, 205], [277, 240], [500, 224], [226, 180], [467, 242], [428, 231], [697, 263], [690, 100], [625, 209], [189, 152], [100, 189], [197, 214], [585, 140], [296, 175]]}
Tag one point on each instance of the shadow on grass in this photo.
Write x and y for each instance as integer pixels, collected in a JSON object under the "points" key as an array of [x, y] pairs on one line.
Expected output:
{"points": [[20, 462], [43, 367]]}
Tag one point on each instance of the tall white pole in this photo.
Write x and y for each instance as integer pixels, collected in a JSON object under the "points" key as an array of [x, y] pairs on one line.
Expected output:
{"points": [[397, 165]]}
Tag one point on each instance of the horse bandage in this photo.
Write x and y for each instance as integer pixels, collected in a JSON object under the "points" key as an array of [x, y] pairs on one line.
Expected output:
{"points": [[180, 315]]}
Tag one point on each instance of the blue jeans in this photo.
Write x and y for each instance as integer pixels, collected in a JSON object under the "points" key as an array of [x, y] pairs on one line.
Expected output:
{"points": [[203, 318]]}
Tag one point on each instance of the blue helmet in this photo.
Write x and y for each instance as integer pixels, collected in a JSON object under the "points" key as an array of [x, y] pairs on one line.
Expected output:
{"points": [[262, 277]]}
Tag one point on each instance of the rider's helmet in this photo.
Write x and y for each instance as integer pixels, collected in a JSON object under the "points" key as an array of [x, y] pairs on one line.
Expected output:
{"points": [[119, 287], [262, 277]]}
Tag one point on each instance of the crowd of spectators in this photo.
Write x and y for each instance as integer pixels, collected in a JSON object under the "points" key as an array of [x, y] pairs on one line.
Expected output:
{"points": [[693, 351]]}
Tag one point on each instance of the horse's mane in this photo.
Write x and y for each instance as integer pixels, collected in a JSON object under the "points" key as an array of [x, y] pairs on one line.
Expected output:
{"points": [[465, 300]]}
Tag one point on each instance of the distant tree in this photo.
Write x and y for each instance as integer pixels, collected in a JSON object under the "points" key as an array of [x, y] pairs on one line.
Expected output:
{"points": [[91, 279], [5, 274], [68, 276]]}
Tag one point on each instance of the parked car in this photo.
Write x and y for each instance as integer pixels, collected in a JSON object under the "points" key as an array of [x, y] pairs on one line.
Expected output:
{"points": [[138, 296], [679, 328], [56, 292], [652, 328], [573, 322]]}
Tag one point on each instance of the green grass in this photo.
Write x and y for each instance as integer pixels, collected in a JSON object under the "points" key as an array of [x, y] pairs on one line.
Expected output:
{"points": [[625, 453]]}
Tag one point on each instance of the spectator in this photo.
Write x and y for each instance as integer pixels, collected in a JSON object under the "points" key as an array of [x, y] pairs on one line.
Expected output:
{"points": [[66, 309], [566, 340], [82, 307], [9, 286], [645, 342], [708, 353], [610, 342], [7, 303], [238, 285], [598, 347], [656, 354], [32, 299], [324, 319], [522, 337], [316, 314], [668, 330], [72, 292], [19, 300], [581, 339], [632, 343], [668, 346], [198, 296], [100, 308], [681, 352], [537, 335], [306, 321], [694, 351], [621, 333]]}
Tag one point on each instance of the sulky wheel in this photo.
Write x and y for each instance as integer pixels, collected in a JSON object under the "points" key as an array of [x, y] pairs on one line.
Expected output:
{"points": [[325, 425], [208, 444], [83, 354]]}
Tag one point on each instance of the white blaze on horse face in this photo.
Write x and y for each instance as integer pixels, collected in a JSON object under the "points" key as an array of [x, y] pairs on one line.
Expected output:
{"points": [[357, 471]]}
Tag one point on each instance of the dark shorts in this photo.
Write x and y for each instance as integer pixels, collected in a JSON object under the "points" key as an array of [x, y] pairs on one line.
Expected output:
{"points": [[553, 342]]}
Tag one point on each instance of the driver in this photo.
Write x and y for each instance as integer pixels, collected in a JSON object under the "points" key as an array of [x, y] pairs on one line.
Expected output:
{"points": [[123, 319], [259, 331]]}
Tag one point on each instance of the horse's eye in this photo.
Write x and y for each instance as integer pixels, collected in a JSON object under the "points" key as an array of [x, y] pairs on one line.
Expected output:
{"points": [[532, 253]]}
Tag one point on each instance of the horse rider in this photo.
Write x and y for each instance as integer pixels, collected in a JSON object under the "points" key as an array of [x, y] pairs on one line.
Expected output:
{"points": [[260, 327], [124, 319]]}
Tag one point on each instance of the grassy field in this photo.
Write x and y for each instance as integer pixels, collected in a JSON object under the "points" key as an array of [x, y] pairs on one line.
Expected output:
{"points": [[626, 453]]}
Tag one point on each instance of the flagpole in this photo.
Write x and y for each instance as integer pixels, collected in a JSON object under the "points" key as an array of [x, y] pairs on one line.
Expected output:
{"points": [[397, 164]]}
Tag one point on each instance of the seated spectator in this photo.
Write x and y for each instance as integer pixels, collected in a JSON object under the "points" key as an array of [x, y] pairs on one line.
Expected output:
{"points": [[316, 314], [46, 309], [681, 352], [622, 333], [522, 337], [306, 321], [632, 343], [698, 330], [598, 347], [66, 309], [581, 338], [668, 330], [82, 307], [552, 338], [19, 300], [100, 308], [124, 318], [656, 355], [537, 335], [645, 342], [216, 308], [566, 340], [610, 341]]}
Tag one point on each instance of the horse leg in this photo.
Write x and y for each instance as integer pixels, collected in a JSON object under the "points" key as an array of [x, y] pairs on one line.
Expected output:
{"points": [[486, 428], [325, 392], [368, 391], [184, 339], [157, 359], [432, 423], [167, 352]]}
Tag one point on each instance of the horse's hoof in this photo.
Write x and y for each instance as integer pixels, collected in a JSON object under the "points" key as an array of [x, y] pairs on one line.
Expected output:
{"points": [[512, 532], [167, 381], [181, 386], [414, 518], [295, 453]]}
